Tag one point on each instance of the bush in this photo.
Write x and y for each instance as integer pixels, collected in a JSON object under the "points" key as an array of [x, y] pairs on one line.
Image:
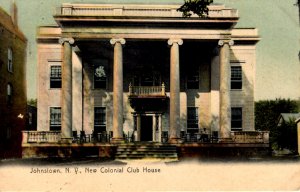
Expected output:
{"points": [[267, 113]]}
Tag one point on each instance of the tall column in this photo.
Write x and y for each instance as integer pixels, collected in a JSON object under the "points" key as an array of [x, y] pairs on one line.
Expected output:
{"points": [[225, 105], [174, 90], [118, 90], [77, 98], [66, 90]]}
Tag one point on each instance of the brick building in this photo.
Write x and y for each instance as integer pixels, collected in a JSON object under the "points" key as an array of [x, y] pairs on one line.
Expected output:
{"points": [[12, 84]]}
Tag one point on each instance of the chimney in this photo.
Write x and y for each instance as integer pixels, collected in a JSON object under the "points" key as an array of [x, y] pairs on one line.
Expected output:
{"points": [[14, 13]]}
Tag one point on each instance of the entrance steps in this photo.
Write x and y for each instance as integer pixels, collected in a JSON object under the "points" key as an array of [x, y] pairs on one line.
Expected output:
{"points": [[146, 151]]}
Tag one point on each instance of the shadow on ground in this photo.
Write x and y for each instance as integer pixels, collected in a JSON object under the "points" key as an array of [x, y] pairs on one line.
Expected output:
{"points": [[108, 162]]}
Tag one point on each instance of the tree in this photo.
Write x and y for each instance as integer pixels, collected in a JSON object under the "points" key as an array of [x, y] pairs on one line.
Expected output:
{"points": [[298, 4], [198, 7], [267, 113], [32, 102]]}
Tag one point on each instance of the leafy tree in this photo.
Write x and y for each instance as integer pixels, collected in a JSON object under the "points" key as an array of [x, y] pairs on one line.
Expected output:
{"points": [[32, 102], [198, 7], [267, 113]]}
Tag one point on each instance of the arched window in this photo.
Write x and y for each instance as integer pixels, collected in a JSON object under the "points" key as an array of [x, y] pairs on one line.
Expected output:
{"points": [[9, 94], [9, 60]]}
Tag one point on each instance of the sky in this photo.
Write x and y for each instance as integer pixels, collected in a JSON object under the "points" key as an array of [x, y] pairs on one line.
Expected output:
{"points": [[277, 66]]}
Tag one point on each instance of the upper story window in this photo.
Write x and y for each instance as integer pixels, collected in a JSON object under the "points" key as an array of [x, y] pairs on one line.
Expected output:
{"points": [[9, 60], [146, 78], [236, 77], [100, 77], [193, 77], [30, 118], [9, 94], [99, 119], [192, 119], [55, 118], [236, 118], [55, 77]]}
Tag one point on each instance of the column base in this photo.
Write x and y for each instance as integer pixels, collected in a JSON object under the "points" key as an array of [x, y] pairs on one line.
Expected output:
{"points": [[175, 140], [117, 140], [66, 140], [225, 140]]}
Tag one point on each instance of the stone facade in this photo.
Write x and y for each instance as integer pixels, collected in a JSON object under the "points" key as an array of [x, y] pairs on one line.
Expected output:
{"points": [[12, 85], [139, 47]]}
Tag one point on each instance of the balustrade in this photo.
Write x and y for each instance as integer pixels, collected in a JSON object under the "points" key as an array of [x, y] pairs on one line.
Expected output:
{"points": [[147, 90], [127, 10], [250, 136], [41, 136]]}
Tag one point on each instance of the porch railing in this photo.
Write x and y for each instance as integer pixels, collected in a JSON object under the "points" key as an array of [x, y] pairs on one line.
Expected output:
{"points": [[137, 10], [250, 136], [55, 137], [41, 136], [147, 90]]}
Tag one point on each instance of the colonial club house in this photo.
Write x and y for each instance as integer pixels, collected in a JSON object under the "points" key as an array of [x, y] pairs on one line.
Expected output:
{"points": [[127, 75]]}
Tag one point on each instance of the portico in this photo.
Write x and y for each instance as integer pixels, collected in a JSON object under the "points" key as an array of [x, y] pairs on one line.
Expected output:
{"points": [[145, 73], [172, 98]]}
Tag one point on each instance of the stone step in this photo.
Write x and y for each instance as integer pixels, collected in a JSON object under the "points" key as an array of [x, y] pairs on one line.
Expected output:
{"points": [[146, 154], [147, 157], [146, 151], [148, 148], [145, 146]]}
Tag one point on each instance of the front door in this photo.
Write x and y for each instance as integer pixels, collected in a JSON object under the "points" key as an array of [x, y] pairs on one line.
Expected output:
{"points": [[146, 128]]}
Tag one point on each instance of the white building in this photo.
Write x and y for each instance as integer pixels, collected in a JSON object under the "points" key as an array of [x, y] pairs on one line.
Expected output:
{"points": [[146, 72]]}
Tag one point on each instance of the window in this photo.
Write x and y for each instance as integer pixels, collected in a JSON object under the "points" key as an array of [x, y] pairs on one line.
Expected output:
{"points": [[9, 60], [193, 78], [55, 77], [9, 94], [8, 133], [30, 118], [55, 118], [192, 119], [100, 77], [236, 77], [236, 118], [147, 80], [135, 122], [99, 119]]}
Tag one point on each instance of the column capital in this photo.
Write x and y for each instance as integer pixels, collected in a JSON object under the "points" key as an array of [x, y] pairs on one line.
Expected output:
{"points": [[173, 40], [62, 40], [221, 42], [120, 40]]}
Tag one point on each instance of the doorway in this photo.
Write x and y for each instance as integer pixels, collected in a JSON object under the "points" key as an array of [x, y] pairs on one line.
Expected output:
{"points": [[146, 128]]}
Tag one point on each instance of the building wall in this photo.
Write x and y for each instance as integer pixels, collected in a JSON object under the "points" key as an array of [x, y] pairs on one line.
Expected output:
{"points": [[244, 98], [206, 98], [96, 98], [48, 54], [11, 125]]}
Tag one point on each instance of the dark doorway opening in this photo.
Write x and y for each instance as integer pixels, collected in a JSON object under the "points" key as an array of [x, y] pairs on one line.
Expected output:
{"points": [[146, 128]]}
